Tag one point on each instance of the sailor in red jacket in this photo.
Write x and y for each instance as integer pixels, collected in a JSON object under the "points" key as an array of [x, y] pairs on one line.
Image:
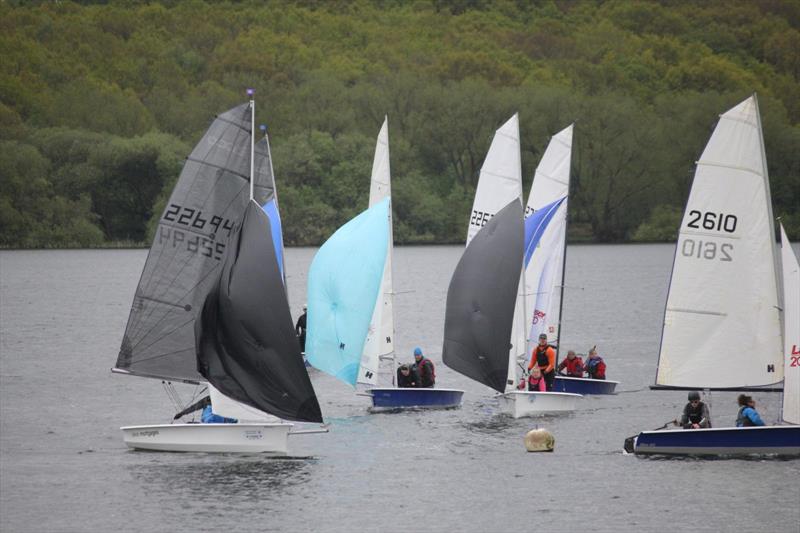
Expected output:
{"points": [[595, 366], [573, 365]]}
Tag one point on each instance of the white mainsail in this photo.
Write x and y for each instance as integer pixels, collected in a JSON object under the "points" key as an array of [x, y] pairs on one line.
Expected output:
{"points": [[380, 339], [722, 325], [500, 180], [544, 272], [791, 332]]}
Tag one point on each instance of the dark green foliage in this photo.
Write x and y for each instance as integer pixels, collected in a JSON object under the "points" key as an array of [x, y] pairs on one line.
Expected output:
{"points": [[101, 101]]}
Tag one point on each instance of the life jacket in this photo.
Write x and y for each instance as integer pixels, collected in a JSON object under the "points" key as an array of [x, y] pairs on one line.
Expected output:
{"points": [[425, 362], [540, 354], [695, 414], [596, 368], [741, 420], [534, 383], [574, 367]]}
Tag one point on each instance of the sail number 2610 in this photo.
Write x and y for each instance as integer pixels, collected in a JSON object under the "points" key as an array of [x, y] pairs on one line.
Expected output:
{"points": [[712, 221], [707, 250]]}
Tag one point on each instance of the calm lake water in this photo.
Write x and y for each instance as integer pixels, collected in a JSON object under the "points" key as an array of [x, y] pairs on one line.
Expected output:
{"points": [[64, 467]]}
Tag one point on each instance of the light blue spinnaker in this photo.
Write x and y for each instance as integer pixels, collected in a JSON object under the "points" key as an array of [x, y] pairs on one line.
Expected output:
{"points": [[535, 225], [271, 209], [343, 285]]}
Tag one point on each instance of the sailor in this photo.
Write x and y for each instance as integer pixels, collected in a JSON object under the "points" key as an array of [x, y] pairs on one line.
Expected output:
{"points": [[595, 366], [300, 329], [544, 356], [573, 365], [748, 416], [536, 382], [424, 368], [695, 413], [208, 417], [406, 377]]}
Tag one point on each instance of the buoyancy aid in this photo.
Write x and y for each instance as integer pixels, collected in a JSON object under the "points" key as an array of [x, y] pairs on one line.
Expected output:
{"points": [[742, 420], [695, 414], [534, 384], [540, 354]]}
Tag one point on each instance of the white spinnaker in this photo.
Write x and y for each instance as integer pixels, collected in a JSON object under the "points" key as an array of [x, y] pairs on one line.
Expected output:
{"points": [[543, 275], [380, 339], [722, 325], [500, 180], [230, 408], [791, 332]]}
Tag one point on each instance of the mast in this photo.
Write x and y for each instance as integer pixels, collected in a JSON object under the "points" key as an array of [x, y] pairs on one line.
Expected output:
{"points": [[250, 93], [563, 270]]}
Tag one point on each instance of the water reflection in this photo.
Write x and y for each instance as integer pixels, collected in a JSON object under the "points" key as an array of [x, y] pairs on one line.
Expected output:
{"points": [[223, 477]]}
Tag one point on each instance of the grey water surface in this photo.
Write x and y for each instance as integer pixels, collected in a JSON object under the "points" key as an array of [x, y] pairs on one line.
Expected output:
{"points": [[64, 467]]}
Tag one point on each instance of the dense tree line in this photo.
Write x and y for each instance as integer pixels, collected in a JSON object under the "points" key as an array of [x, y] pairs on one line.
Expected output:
{"points": [[101, 101]]}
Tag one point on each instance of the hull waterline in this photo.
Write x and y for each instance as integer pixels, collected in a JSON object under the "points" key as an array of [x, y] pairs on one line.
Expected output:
{"points": [[269, 438], [584, 385], [761, 440], [414, 398], [519, 404]]}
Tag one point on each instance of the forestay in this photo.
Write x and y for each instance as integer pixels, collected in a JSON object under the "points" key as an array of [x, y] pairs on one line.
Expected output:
{"points": [[380, 339], [726, 241], [189, 243], [481, 298], [791, 340], [544, 268], [246, 346], [344, 282]]}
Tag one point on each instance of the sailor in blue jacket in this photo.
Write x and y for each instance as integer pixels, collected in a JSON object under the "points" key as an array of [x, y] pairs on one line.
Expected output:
{"points": [[748, 416], [208, 417]]}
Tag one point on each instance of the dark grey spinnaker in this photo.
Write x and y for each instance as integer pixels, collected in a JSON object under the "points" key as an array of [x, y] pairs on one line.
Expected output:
{"points": [[247, 347], [205, 206], [481, 299]]}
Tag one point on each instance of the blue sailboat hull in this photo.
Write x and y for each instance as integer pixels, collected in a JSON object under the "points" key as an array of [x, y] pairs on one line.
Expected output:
{"points": [[777, 440], [584, 385], [399, 398]]}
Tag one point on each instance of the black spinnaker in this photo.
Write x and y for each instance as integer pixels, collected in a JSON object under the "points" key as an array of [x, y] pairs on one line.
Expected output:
{"points": [[481, 299], [247, 347]]}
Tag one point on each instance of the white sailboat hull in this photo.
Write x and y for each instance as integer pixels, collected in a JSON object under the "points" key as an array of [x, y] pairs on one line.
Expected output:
{"points": [[519, 404], [269, 438]]}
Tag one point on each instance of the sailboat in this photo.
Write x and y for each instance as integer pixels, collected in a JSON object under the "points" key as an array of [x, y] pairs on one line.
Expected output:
{"points": [[545, 268], [379, 344], [722, 324], [211, 306], [499, 186]]}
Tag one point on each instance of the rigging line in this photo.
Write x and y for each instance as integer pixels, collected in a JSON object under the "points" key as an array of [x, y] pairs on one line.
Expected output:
{"points": [[167, 354], [235, 124], [156, 323]]}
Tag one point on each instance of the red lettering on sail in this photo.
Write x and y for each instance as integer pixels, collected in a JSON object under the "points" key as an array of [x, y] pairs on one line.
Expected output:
{"points": [[795, 351], [538, 315]]}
